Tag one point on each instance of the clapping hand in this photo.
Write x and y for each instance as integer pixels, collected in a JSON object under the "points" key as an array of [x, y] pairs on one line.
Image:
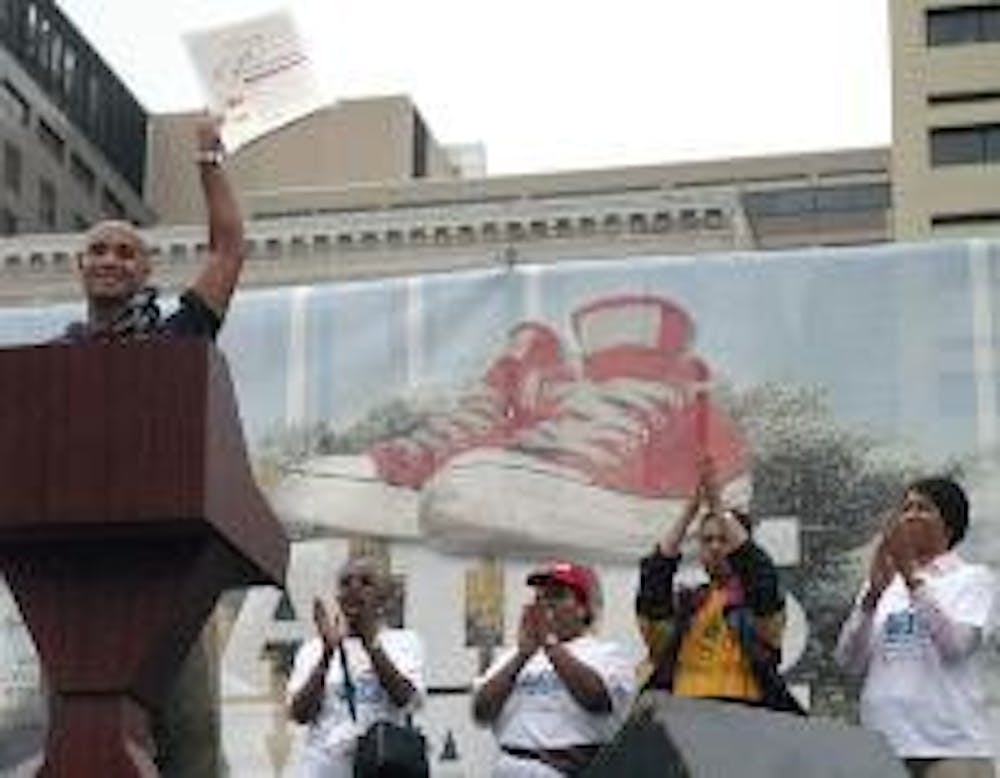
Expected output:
{"points": [[706, 493], [530, 634], [708, 484], [903, 553], [884, 564], [331, 629]]}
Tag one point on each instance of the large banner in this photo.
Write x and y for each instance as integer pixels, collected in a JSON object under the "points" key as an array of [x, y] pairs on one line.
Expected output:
{"points": [[465, 425]]}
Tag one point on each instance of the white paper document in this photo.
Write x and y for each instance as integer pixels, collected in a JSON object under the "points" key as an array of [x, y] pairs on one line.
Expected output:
{"points": [[256, 74]]}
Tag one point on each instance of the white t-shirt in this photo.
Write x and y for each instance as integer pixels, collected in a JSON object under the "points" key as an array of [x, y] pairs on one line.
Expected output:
{"points": [[925, 705], [540, 712], [330, 740]]}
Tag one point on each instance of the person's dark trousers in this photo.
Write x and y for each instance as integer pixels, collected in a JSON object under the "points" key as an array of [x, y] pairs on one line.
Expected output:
{"points": [[187, 729]]}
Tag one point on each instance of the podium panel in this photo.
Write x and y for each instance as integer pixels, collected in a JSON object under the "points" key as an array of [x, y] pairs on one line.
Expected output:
{"points": [[127, 505]]}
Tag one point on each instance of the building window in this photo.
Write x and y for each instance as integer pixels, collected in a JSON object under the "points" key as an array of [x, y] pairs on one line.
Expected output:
{"points": [[44, 39], [421, 143], [51, 140], [972, 145], [963, 24], [273, 248], [781, 202], [690, 219], [31, 29], [964, 96], [82, 173], [662, 221], [966, 219], [845, 198], [47, 204], [802, 201], [68, 70], [56, 58], [93, 102], [714, 219]]}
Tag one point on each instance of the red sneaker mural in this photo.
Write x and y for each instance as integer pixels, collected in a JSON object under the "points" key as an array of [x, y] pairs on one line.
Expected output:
{"points": [[617, 457], [543, 453]]}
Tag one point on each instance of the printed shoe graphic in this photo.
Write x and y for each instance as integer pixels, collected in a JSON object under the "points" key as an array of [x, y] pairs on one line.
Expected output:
{"points": [[606, 474], [377, 493], [514, 394]]}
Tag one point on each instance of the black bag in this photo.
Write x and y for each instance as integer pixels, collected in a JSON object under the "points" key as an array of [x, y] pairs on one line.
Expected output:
{"points": [[386, 750]]}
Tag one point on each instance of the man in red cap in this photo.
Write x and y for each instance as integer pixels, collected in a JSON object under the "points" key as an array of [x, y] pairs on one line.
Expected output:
{"points": [[561, 692]]}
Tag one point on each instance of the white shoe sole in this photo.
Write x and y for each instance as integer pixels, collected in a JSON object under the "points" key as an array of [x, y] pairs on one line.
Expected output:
{"points": [[340, 494], [500, 501]]}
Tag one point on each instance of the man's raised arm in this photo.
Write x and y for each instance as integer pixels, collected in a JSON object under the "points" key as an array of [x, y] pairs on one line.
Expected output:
{"points": [[217, 281]]}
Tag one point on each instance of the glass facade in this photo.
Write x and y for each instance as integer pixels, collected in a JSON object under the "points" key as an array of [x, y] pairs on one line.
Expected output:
{"points": [[77, 80], [963, 24]]}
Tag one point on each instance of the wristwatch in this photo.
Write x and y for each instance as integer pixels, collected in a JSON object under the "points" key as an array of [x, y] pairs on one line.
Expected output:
{"points": [[210, 156]]}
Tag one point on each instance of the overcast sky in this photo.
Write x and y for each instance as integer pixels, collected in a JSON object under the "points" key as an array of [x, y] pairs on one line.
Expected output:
{"points": [[560, 84]]}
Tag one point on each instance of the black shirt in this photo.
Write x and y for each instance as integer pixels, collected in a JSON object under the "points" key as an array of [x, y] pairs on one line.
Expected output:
{"points": [[192, 319]]}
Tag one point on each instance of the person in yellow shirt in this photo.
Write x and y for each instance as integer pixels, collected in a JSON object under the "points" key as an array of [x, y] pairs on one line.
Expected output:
{"points": [[722, 639]]}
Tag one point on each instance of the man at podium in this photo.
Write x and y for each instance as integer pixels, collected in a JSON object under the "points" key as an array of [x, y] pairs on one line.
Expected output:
{"points": [[115, 268]]}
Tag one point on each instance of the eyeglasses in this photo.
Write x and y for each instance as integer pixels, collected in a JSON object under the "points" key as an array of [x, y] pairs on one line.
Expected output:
{"points": [[98, 249]]}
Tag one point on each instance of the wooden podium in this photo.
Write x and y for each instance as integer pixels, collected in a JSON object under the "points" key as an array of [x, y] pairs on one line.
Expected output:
{"points": [[126, 507]]}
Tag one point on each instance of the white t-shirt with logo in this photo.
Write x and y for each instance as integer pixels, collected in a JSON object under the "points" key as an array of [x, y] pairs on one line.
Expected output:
{"points": [[540, 712], [925, 705], [330, 740]]}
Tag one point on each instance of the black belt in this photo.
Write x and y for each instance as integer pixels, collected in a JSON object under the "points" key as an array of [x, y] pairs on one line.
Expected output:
{"points": [[568, 761]]}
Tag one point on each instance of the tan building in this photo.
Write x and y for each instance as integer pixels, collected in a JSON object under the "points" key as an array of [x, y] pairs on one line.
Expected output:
{"points": [[351, 142], [309, 233], [946, 118]]}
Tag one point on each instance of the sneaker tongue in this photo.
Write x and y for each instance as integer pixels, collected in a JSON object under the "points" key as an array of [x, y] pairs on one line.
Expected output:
{"points": [[643, 323]]}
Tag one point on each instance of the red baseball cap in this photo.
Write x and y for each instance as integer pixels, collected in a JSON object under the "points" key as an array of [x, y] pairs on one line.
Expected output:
{"points": [[580, 578]]}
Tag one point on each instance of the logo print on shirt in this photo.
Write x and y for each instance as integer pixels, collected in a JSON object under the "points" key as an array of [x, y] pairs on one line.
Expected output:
{"points": [[904, 635], [545, 683]]}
